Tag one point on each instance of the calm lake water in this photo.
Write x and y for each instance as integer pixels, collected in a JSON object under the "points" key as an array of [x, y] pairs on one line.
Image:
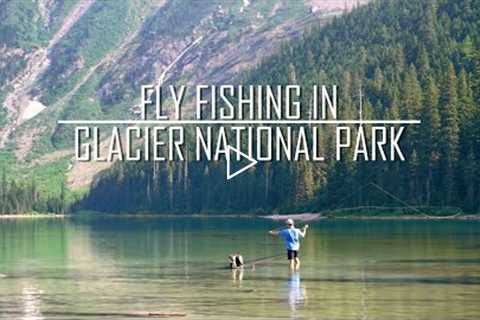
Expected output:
{"points": [[103, 268]]}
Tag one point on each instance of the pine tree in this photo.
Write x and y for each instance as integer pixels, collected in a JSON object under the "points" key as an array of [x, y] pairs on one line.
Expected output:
{"points": [[394, 108], [423, 64], [427, 28], [291, 74], [412, 104], [412, 95], [470, 179], [449, 133], [377, 82], [466, 106], [431, 130], [63, 203], [413, 176]]}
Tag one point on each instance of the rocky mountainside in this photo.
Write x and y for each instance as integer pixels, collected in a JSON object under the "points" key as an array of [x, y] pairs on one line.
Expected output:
{"points": [[85, 59]]}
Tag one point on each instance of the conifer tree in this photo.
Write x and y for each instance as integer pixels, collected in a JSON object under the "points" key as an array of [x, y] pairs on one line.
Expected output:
{"points": [[449, 132]]}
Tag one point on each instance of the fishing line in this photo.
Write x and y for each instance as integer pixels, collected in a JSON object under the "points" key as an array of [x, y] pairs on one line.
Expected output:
{"points": [[408, 205]]}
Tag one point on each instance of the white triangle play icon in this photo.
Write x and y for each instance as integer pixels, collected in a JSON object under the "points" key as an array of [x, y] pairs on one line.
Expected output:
{"points": [[230, 174]]}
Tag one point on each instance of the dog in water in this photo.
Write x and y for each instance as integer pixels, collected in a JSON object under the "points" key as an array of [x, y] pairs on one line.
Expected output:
{"points": [[235, 261]]}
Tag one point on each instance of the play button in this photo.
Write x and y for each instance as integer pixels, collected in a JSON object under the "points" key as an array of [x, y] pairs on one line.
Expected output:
{"points": [[235, 152]]}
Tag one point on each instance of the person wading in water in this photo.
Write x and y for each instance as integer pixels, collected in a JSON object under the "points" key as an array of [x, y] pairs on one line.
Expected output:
{"points": [[292, 236]]}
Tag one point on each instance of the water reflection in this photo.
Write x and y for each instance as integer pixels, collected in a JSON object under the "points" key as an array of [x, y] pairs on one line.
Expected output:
{"points": [[297, 293], [390, 270], [364, 297], [237, 276], [31, 303]]}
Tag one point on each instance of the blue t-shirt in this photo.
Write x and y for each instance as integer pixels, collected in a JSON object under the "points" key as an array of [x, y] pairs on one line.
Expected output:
{"points": [[291, 237]]}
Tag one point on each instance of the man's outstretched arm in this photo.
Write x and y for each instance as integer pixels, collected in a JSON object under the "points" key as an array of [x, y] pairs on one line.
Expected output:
{"points": [[273, 233], [303, 233]]}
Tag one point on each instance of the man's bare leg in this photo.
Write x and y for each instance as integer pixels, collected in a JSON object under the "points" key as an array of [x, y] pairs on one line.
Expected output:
{"points": [[297, 263], [292, 264]]}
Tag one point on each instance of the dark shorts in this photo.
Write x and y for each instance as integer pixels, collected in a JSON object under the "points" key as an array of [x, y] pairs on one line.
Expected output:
{"points": [[292, 254]]}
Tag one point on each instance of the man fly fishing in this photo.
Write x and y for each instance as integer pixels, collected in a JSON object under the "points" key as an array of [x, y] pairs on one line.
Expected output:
{"points": [[292, 236]]}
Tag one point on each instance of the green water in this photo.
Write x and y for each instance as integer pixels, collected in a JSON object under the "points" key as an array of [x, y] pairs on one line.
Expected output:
{"points": [[85, 269]]}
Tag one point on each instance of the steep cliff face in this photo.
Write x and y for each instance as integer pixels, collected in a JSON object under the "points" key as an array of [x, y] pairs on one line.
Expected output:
{"points": [[20, 100], [86, 59]]}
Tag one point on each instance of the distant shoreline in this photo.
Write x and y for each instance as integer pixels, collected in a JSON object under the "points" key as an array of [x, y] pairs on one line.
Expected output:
{"points": [[280, 217], [283, 217], [32, 216], [408, 217]]}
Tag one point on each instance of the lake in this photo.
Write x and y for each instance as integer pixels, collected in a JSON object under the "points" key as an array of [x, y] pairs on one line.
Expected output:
{"points": [[111, 267]]}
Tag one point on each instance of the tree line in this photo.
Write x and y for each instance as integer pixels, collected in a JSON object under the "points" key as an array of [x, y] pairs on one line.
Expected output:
{"points": [[24, 197]]}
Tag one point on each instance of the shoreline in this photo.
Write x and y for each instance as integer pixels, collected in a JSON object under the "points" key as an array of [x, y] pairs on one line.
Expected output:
{"points": [[408, 217], [474, 217], [33, 216], [280, 217]]}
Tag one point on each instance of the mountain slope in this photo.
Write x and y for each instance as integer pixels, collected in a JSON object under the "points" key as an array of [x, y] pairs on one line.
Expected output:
{"points": [[412, 59], [85, 59], [17, 100]]}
